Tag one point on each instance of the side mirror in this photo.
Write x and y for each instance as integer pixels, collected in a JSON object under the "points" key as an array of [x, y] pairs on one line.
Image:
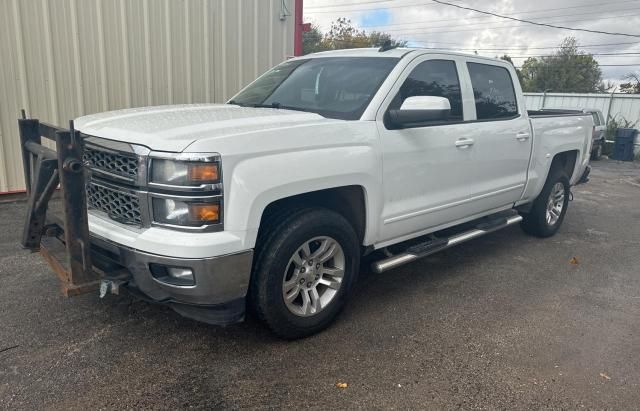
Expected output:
{"points": [[420, 109]]}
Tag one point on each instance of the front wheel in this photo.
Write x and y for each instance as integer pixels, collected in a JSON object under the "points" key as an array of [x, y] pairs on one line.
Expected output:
{"points": [[304, 271], [548, 211]]}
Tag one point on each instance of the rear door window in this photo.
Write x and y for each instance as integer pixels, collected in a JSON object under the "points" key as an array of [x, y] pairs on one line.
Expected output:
{"points": [[493, 92]]}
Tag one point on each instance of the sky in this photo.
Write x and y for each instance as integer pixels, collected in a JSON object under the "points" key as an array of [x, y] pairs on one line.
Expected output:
{"points": [[427, 24]]}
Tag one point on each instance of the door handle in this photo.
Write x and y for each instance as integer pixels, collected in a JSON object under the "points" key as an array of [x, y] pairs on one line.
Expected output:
{"points": [[464, 142], [523, 136]]}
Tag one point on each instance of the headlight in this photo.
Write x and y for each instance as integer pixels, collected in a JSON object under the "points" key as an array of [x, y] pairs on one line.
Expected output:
{"points": [[184, 173], [185, 213]]}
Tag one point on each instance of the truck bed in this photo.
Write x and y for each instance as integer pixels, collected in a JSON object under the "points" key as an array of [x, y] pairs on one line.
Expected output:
{"points": [[557, 131], [547, 112]]}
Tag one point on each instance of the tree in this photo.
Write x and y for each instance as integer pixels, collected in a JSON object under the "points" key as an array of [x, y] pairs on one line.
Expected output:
{"points": [[344, 35], [508, 58], [632, 86], [312, 40], [568, 70], [606, 87]]}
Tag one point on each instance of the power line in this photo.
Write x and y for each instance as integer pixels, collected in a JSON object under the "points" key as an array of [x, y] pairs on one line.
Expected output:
{"points": [[606, 55], [370, 8], [589, 54], [409, 33], [497, 49], [427, 5], [624, 54], [545, 17], [444, 3], [605, 65], [508, 14], [359, 3], [529, 48]]}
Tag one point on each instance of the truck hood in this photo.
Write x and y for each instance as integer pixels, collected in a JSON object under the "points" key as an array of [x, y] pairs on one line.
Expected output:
{"points": [[174, 128]]}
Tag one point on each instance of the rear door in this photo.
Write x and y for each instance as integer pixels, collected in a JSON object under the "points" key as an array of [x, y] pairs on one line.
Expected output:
{"points": [[446, 172], [504, 132], [599, 125]]}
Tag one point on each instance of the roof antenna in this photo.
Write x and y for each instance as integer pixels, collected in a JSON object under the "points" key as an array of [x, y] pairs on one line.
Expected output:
{"points": [[386, 46]]}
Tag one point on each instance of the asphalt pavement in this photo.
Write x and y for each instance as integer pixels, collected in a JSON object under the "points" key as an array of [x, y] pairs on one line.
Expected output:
{"points": [[505, 321]]}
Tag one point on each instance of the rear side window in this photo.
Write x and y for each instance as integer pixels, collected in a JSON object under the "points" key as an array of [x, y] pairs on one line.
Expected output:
{"points": [[596, 118], [437, 78], [493, 91]]}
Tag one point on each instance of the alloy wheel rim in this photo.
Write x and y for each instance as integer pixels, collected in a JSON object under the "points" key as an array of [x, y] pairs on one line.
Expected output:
{"points": [[555, 204], [313, 276]]}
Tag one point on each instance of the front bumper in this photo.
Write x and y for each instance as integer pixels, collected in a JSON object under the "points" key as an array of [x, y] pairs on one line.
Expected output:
{"points": [[216, 297], [86, 253]]}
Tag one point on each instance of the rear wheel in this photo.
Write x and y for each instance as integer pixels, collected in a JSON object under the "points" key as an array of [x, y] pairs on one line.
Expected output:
{"points": [[548, 211], [304, 272], [596, 153]]}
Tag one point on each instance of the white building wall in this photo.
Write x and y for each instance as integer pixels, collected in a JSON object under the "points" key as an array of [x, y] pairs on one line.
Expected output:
{"points": [[60, 59]]}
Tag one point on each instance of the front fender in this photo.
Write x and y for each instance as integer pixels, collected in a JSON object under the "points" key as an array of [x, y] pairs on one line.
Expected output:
{"points": [[259, 181]]}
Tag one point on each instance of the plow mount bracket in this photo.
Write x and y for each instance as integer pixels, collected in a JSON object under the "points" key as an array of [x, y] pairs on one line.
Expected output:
{"points": [[63, 242]]}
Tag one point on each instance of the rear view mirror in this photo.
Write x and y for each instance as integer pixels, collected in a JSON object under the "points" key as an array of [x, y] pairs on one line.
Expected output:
{"points": [[420, 109]]}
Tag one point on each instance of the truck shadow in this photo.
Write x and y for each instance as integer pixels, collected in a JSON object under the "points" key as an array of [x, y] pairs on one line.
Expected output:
{"points": [[373, 293]]}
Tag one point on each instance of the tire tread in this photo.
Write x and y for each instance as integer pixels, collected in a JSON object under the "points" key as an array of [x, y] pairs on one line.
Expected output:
{"points": [[534, 222], [271, 238]]}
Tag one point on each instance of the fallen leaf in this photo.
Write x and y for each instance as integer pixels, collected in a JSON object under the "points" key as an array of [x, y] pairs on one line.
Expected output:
{"points": [[342, 385], [573, 261], [605, 376]]}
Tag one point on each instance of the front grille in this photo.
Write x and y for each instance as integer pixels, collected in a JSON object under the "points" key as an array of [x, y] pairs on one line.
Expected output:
{"points": [[120, 164], [119, 206]]}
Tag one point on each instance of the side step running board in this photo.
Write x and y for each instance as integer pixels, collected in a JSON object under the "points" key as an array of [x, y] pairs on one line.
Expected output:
{"points": [[434, 245]]}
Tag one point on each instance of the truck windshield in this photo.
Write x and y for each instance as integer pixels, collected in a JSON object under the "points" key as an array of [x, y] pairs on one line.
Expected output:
{"points": [[334, 87]]}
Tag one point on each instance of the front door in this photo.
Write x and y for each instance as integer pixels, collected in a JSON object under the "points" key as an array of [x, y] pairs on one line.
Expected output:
{"points": [[471, 165]]}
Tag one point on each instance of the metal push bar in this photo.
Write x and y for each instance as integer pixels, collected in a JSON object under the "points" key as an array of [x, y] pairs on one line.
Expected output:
{"points": [[65, 242]]}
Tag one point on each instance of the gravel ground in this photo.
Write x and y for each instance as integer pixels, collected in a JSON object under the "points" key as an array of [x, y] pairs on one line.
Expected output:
{"points": [[505, 321]]}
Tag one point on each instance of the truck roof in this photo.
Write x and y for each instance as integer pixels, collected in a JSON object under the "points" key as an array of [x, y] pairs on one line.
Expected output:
{"points": [[398, 52]]}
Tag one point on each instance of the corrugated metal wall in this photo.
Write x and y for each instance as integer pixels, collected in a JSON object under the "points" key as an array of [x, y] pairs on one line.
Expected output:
{"points": [[60, 59], [620, 105]]}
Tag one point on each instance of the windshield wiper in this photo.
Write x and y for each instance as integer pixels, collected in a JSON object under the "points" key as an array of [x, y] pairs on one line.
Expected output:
{"points": [[272, 105], [275, 105], [280, 106]]}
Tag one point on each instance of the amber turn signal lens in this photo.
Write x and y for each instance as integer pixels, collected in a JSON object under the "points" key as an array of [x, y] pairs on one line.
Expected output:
{"points": [[203, 173], [206, 213]]}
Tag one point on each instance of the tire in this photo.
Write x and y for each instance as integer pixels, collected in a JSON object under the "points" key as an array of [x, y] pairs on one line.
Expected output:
{"points": [[596, 153], [537, 222], [278, 273]]}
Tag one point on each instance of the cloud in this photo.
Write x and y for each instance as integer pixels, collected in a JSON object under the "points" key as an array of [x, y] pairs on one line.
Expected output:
{"points": [[374, 18], [424, 23]]}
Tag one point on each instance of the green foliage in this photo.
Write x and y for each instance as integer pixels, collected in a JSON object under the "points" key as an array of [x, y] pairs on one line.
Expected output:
{"points": [[616, 122], [613, 124], [568, 70], [508, 58], [343, 35], [312, 40]]}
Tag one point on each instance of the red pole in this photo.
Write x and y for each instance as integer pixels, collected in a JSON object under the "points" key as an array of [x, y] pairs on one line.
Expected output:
{"points": [[297, 33]]}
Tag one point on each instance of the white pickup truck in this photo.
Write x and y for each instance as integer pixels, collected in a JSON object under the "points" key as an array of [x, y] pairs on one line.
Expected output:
{"points": [[269, 202]]}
